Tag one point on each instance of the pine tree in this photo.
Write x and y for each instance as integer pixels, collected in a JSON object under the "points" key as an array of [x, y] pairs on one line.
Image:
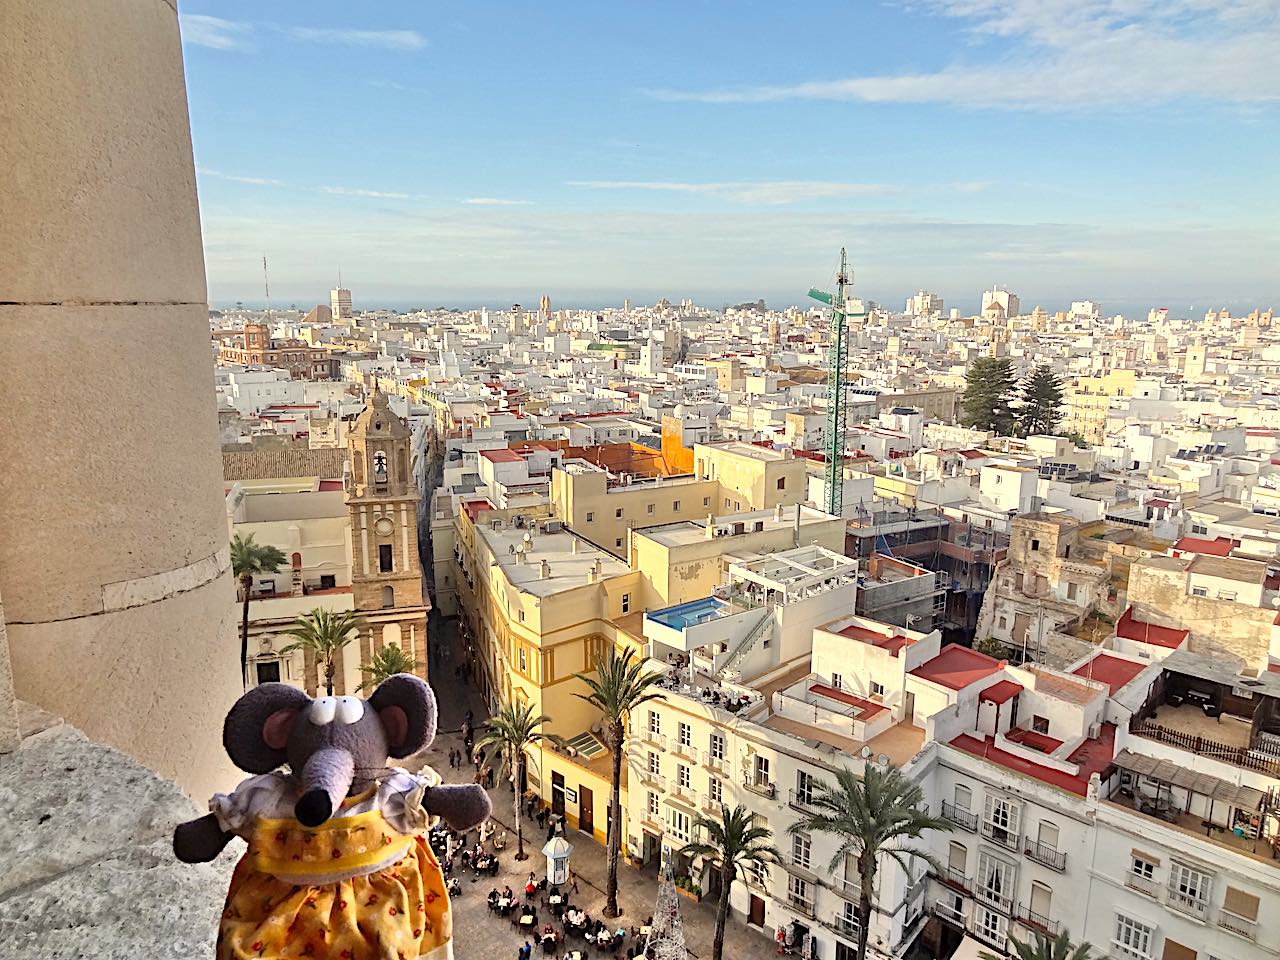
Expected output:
{"points": [[988, 392], [1041, 402]]}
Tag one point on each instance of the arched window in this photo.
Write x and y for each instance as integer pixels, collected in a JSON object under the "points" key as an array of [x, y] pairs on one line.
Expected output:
{"points": [[296, 561], [357, 465], [388, 596], [402, 467], [379, 467], [391, 634]]}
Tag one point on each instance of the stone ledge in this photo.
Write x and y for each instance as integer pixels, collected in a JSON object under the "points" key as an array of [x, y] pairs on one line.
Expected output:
{"points": [[86, 868]]}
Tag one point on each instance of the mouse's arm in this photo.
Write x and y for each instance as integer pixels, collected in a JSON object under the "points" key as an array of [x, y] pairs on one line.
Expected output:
{"points": [[461, 805], [200, 840]]}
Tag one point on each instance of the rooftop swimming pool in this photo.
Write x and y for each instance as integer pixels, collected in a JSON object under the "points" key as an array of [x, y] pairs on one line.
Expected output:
{"points": [[684, 615]]}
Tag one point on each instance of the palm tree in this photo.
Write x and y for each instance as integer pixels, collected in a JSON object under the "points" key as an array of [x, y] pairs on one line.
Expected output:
{"points": [[247, 559], [619, 686], [870, 816], [732, 844], [386, 663], [511, 731], [324, 633], [1048, 948]]}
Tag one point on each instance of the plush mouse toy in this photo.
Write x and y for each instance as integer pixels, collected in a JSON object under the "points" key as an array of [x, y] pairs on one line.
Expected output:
{"points": [[336, 865]]}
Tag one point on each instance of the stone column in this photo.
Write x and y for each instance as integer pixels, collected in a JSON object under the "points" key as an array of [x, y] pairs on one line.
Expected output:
{"points": [[113, 547]]}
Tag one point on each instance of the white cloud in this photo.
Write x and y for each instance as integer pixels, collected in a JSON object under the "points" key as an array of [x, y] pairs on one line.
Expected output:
{"points": [[214, 32], [362, 192], [496, 202], [236, 178], [1064, 54], [385, 39], [219, 34], [761, 191]]}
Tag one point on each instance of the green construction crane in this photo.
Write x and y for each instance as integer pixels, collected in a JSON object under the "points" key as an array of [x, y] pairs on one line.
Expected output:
{"points": [[837, 375]]}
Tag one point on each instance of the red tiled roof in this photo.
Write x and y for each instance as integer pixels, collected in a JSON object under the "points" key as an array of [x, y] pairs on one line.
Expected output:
{"points": [[1220, 547], [891, 643], [957, 667], [501, 456], [1001, 691], [867, 708], [972, 454], [1033, 740], [1110, 670], [1092, 756], [475, 507], [1131, 628], [330, 485]]}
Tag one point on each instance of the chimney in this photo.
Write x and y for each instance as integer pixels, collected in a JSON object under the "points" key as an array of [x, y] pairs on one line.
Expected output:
{"points": [[544, 573], [595, 571], [574, 548], [711, 526], [777, 512]]}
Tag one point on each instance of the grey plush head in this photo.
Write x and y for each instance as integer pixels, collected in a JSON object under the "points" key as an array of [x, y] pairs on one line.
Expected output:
{"points": [[335, 746]]}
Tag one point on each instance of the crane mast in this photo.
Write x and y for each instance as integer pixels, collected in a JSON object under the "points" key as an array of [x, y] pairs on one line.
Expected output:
{"points": [[837, 377]]}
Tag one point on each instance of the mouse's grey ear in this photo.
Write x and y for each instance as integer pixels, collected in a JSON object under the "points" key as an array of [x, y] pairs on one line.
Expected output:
{"points": [[408, 711], [257, 728]]}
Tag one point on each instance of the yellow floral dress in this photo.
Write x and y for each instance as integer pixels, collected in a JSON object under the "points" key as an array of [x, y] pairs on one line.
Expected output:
{"points": [[362, 886]]}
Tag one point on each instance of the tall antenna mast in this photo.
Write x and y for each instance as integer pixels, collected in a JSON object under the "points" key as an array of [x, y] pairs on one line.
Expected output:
{"points": [[266, 285]]}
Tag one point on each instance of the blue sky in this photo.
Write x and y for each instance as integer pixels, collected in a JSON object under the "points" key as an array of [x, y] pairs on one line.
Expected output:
{"points": [[457, 153]]}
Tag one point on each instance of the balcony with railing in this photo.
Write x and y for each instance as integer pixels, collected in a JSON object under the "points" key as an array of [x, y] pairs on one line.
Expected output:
{"points": [[848, 887], [684, 750], [760, 786], [1144, 885], [965, 819], [803, 905], [718, 764], [655, 739], [948, 912], [1051, 857], [1192, 906], [1029, 918], [1001, 835], [993, 898], [845, 924], [801, 800], [1240, 926], [955, 878], [681, 791]]}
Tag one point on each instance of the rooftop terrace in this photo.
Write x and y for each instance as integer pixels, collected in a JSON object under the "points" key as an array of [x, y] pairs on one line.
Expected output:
{"points": [[570, 561]]}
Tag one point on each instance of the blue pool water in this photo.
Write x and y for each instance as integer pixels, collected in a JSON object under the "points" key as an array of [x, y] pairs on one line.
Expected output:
{"points": [[685, 615]]}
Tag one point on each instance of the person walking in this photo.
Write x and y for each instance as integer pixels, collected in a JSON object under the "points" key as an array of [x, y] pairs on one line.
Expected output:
{"points": [[573, 882]]}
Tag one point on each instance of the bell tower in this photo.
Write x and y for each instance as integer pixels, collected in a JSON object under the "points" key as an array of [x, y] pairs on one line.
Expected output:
{"points": [[382, 504]]}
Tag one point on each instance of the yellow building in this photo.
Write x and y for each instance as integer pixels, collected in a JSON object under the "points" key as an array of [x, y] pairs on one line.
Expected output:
{"points": [[1089, 399], [602, 507], [750, 477], [540, 603]]}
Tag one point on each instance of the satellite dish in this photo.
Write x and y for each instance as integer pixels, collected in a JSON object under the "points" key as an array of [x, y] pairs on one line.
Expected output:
{"points": [[528, 538], [866, 752], [883, 760]]}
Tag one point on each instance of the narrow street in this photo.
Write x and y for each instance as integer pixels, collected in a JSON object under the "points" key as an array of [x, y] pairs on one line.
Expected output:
{"points": [[481, 935]]}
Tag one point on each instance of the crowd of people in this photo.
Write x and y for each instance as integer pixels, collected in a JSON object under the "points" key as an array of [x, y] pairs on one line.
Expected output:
{"points": [[564, 925]]}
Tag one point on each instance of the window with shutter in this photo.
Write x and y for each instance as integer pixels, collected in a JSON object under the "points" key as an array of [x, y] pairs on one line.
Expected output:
{"points": [[1240, 903]]}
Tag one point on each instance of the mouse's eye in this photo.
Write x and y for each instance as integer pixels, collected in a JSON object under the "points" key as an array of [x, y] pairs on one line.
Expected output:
{"points": [[323, 710], [350, 709]]}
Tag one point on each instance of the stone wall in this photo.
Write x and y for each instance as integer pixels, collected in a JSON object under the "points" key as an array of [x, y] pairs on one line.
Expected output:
{"points": [[114, 562]]}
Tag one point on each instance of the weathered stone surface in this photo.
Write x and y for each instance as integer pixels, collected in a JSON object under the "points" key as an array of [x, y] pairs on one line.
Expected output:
{"points": [[86, 867]]}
